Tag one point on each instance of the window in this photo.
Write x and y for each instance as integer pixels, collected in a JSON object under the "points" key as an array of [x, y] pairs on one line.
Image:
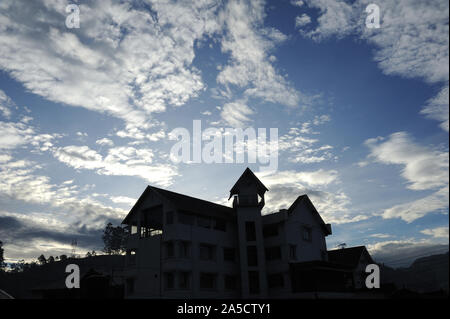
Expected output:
{"points": [[207, 281], [207, 252], [275, 281], [133, 229], [130, 285], [252, 256], [307, 233], [204, 222], [184, 249], [220, 224], [169, 280], [184, 280], [292, 252], [229, 254], [273, 253], [147, 232], [250, 231], [170, 250], [230, 282], [253, 282], [169, 218], [185, 218], [270, 230]]}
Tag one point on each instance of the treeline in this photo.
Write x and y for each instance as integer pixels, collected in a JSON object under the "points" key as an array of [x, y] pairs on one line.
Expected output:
{"points": [[114, 243]]}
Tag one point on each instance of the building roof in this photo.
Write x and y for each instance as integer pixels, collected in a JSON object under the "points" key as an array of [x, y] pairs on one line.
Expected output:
{"points": [[305, 199], [248, 175], [348, 256], [185, 202]]}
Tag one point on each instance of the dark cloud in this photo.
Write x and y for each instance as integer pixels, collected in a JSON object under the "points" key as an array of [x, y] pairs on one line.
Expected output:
{"points": [[15, 231]]}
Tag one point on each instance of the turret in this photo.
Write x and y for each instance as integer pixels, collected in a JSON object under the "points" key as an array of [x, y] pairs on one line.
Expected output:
{"points": [[248, 191]]}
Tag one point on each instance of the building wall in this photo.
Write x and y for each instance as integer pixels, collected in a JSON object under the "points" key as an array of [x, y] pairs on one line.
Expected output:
{"points": [[290, 237], [195, 265], [316, 248], [144, 268]]}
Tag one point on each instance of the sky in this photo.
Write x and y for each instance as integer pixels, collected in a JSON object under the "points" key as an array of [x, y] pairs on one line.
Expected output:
{"points": [[87, 114]]}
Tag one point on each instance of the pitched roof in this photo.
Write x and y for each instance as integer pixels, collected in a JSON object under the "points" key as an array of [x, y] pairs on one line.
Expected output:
{"points": [[185, 202], [248, 174], [305, 199], [347, 256]]}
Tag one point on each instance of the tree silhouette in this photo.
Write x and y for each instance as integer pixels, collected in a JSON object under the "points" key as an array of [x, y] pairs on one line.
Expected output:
{"points": [[42, 260], [114, 239], [63, 257], [18, 266], [2, 259]]}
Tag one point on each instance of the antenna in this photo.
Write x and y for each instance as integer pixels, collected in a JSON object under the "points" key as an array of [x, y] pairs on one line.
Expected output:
{"points": [[74, 248], [341, 246]]}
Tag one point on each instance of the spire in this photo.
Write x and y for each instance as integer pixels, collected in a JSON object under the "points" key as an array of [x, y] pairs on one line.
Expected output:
{"points": [[248, 178], [247, 187]]}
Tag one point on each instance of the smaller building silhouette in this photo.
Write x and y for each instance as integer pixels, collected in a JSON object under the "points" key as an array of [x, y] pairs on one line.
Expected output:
{"points": [[356, 258]]}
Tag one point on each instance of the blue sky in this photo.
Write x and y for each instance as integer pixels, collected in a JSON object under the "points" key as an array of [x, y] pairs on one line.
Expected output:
{"points": [[362, 114]]}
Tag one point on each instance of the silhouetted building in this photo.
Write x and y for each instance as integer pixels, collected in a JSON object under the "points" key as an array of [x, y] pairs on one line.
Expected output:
{"points": [[356, 258], [184, 247]]}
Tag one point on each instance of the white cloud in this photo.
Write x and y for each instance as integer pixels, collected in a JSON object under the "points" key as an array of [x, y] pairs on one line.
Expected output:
{"points": [[236, 113], [79, 157], [20, 181], [5, 104], [286, 186], [437, 108], [124, 60], [319, 120], [301, 149], [105, 142], [406, 45], [362, 163], [313, 178], [302, 20], [403, 252], [13, 135], [410, 211], [249, 45], [423, 167], [438, 232], [123, 200], [297, 3], [380, 235], [136, 133], [119, 161]]}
